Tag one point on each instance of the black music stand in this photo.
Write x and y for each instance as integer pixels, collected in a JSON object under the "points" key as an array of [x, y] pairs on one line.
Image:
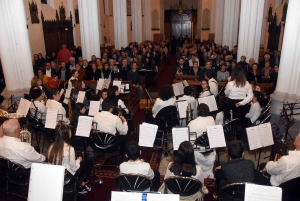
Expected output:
{"points": [[287, 117]]}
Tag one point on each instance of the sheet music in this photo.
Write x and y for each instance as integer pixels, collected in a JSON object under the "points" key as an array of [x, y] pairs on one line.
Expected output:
{"points": [[80, 97], [66, 101], [185, 83], [24, 106], [179, 135], [51, 117], [124, 196], [68, 93], [216, 136], [180, 87], [127, 86], [100, 83], [142, 196], [266, 134], [94, 107], [117, 83], [254, 138], [61, 92], [153, 125], [176, 89], [159, 197], [147, 135], [84, 126], [210, 101], [182, 107], [106, 83], [254, 192]]}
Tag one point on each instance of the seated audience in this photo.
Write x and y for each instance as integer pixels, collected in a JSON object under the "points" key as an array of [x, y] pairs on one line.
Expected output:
{"points": [[237, 169], [192, 60], [106, 71], [267, 70], [242, 63], [13, 149], [53, 103], [53, 82], [136, 79], [81, 72], [116, 75], [42, 76], [274, 76], [253, 74], [124, 69], [72, 64], [63, 72], [93, 73], [136, 166], [180, 68], [194, 70], [113, 95], [48, 71], [62, 153], [222, 75]]}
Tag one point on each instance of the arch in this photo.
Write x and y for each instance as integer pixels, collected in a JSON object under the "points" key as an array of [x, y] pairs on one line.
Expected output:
{"points": [[206, 19]]}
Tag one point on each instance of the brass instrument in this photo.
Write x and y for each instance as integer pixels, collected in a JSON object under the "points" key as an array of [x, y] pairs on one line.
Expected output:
{"points": [[25, 136], [70, 108], [3, 113]]}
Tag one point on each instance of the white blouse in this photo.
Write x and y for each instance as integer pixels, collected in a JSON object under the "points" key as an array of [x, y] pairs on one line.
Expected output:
{"points": [[244, 93], [160, 104], [254, 112]]}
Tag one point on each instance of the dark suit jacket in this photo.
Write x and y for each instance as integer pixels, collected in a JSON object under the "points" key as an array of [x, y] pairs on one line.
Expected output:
{"points": [[184, 70], [90, 75], [67, 75]]}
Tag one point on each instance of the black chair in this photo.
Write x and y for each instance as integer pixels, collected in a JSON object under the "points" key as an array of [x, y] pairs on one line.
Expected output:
{"points": [[233, 192], [105, 145], [133, 182], [71, 184], [200, 141], [266, 119], [262, 116], [17, 178], [184, 186], [290, 190]]}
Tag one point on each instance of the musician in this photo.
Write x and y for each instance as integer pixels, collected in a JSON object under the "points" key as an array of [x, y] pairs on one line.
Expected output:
{"points": [[13, 149], [188, 96], [205, 88], [239, 93], [79, 110], [286, 168], [254, 111], [74, 74], [37, 82], [79, 85], [136, 79], [181, 68], [213, 84], [264, 99], [166, 98], [37, 107], [113, 94], [62, 153], [103, 96], [52, 103], [107, 122], [136, 166], [237, 169]]}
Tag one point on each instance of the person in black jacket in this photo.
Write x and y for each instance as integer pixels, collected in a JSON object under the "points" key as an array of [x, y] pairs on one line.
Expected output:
{"points": [[63, 72], [94, 73], [136, 79], [181, 68]]}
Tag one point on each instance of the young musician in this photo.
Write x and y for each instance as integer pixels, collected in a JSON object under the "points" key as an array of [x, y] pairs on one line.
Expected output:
{"points": [[188, 96], [206, 90], [38, 108], [254, 111], [103, 97], [113, 94]]}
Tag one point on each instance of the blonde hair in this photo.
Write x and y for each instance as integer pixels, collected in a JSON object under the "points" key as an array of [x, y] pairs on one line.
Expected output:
{"points": [[34, 80]]}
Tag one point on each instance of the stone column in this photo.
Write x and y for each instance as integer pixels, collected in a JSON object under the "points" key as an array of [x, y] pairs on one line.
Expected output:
{"points": [[15, 48], [120, 23], [71, 10], [250, 28], [217, 24], [136, 16], [147, 19], [89, 28], [230, 23], [288, 83]]}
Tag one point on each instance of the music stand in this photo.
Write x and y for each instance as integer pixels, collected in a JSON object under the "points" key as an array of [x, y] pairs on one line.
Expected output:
{"points": [[148, 97]]}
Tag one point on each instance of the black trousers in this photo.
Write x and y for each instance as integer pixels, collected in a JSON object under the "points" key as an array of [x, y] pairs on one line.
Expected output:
{"points": [[238, 112], [156, 180], [84, 170], [122, 140]]}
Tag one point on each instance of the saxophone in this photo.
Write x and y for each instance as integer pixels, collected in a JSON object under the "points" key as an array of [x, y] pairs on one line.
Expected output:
{"points": [[70, 108]]}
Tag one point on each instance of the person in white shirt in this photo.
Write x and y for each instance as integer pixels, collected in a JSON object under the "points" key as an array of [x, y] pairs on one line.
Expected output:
{"points": [[48, 70], [213, 84], [239, 92], [113, 94], [107, 122], [52, 103], [62, 153], [37, 108], [205, 89], [188, 91], [13, 149], [254, 111], [286, 168], [74, 74], [166, 98], [103, 97], [192, 60], [136, 166]]}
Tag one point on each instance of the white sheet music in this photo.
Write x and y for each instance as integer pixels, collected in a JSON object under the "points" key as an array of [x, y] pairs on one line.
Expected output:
{"points": [[260, 136], [66, 101], [185, 83], [210, 101], [159, 197], [46, 182], [176, 89], [80, 97], [216, 136], [124, 196], [68, 93], [153, 125], [182, 107], [94, 107], [254, 192], [51, 117], [147, 135], [127, 86], [179, 135], [61, 92], [24, 106], [106, 83], [180, 87], [84, 126], [100, 83], [117, 83]]}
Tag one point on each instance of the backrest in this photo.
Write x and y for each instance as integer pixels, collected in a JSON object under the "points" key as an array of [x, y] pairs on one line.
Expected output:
{"points": [[200, 141], [103, 140], [167, 118], [265, 120], [234, 191], [184, 186], [262, 116], [290, 189], [13, 169], [133, 182], [231, 129]]}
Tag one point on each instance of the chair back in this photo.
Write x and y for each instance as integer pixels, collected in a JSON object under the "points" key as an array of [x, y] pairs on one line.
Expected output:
{"points": [[167, 118], [13, 170], [32, 118], [265, 120], [290, 189], [234, 191], [184, 186], [103, 140], [231, 129], [262, 116], [133, 182], [200, 141]]}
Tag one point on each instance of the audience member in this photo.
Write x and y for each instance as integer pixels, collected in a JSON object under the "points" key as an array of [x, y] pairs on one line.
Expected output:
{"points": [[63, 54], [253, 74], [222, 75], [93, 73], [63, 73], [135, 78]]}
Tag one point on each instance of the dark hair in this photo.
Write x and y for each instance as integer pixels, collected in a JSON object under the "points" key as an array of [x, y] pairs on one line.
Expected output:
{"points": [[132, 150], [238, 76], [166, 92], [107, 104], [73, 72], [203, 110], [184, 162], [52, 92], [77, 86], [187, 90], [111, 94], [79, 106], [235, 149], [35, 93], [55, 156], [209, 74]]}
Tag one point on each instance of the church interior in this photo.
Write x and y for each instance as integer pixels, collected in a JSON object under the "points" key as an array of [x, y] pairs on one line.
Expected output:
{"points": [[149, 99]]}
